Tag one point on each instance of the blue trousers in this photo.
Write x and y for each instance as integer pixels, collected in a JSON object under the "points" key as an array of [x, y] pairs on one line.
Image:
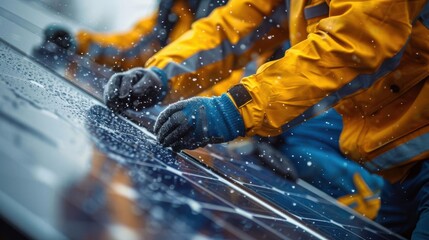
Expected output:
{"points": [[405, 205], [313, 148]]}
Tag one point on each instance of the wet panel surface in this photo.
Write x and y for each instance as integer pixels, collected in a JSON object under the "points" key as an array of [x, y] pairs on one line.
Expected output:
{"points": [[92, 163]]}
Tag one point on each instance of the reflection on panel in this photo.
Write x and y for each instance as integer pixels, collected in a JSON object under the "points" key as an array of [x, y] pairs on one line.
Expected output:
{"points": [[314, 210]]}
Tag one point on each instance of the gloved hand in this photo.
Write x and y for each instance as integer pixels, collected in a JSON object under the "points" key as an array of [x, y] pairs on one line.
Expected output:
{"points": [[57, 41], [135, 89], [60, 36], [198, 121]]}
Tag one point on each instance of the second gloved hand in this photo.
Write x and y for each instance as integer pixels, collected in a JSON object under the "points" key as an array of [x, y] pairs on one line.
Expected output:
{"points": [[58, 41], [60, 36], [135, 89], [198, 121]]}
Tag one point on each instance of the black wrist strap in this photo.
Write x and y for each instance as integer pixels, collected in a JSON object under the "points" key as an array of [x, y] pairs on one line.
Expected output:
{"points": [[240, 95]]}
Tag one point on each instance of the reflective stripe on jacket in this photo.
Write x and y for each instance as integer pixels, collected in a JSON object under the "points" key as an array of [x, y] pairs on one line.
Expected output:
{"points": [[368, 59]]}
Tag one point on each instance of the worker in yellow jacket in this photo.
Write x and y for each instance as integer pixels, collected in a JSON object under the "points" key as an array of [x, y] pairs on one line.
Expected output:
{"points": [[132, 48], [312, 147], [367, 59]]}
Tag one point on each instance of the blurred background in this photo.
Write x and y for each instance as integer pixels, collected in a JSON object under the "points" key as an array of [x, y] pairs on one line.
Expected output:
{"points": [[102, 15]]}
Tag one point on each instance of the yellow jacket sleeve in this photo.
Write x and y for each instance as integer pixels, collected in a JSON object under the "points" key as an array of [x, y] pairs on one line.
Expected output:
{"points": [[110, 48], [132, 48], [358, 42], [217, 45]]}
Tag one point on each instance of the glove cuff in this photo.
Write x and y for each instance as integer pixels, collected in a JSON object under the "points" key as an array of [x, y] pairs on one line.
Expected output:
{"points": [[231, 116], [164, 80]]}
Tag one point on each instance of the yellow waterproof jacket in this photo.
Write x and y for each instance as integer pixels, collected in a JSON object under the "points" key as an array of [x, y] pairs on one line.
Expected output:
{"points": [[125, 50], [368, 59]]}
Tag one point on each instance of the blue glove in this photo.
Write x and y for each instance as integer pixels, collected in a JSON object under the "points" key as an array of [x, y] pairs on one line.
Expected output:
{"points": [[135, 89], [198, 121]]}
